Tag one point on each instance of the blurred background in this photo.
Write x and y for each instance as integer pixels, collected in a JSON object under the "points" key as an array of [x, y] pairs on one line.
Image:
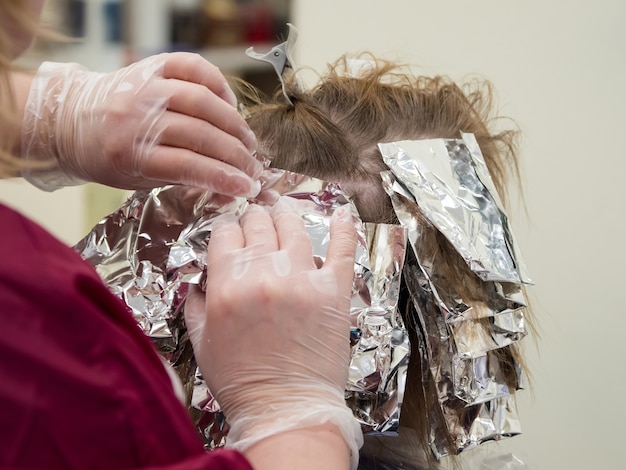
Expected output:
{"points": [[559, 69]]}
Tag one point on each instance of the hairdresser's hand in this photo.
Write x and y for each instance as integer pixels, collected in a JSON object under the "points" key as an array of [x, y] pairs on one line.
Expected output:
{"points": [[170, 118], [272, 338]]}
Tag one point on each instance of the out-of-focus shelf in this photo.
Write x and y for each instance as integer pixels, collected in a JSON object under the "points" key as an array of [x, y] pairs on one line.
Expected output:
{"points": [[96, 57], [233, 60]]}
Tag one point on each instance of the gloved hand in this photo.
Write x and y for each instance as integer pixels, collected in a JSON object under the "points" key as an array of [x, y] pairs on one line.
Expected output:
{"points": [[272, 337], [170, 118]]}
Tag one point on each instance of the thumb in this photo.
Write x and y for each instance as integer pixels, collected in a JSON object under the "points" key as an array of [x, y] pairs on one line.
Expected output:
{"points": [[195, 315]]}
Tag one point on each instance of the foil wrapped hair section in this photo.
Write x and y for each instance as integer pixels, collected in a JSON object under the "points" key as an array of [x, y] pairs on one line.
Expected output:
{"points": [[380, 343], [449, 180], [441, 188]]}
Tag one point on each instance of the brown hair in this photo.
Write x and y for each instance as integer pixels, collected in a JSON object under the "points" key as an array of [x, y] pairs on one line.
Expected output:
{"points": [[331, 132]]}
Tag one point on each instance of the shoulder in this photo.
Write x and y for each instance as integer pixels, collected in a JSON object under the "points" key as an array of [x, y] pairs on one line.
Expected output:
{"points": [[80, 369], [41, 277], [27, 248]]}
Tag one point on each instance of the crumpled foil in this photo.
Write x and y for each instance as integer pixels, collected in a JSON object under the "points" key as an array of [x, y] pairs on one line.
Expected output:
{"points": [[447, 181], [380, 351], [154, 246]]}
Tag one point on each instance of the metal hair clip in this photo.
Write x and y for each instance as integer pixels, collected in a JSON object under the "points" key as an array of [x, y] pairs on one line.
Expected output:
{"points": [[279, 57]]}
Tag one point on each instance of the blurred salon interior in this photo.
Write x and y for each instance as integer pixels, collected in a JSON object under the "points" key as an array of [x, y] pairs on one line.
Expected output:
{"points": [[558, 69]]}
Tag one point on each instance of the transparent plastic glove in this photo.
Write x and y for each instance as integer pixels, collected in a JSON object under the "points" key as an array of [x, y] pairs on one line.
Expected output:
{"points": [[272, 338], [170, 118]]}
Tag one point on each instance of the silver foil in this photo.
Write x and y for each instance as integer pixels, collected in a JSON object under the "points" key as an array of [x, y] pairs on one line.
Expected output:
{"points": [[380, 351], [447, 182], [154, 246], [450, 182]]}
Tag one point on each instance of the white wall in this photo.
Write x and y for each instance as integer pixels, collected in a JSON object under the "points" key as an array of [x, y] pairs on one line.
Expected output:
{"points": [[61, 212], [560, 71]]}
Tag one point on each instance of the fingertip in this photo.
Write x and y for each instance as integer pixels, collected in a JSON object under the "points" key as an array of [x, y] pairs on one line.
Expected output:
{"points": [[255, 189], [236, 185], [343, 233], [255, 169], [342, 216], [229, 96], [223, 227], [226, 236], [285, 211], [254, 209], [284, 204], [249, 140], [225, 219], [268, 196]]}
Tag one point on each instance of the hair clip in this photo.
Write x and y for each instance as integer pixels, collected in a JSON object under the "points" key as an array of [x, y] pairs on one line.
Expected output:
{"points": [[279, 57]]}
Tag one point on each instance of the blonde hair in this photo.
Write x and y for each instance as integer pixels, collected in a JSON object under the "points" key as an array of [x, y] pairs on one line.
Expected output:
{"points": [[331, 132], [18, 13]]}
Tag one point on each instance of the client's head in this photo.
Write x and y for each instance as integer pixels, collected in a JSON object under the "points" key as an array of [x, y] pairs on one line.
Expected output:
{"points": [[331, 132]]}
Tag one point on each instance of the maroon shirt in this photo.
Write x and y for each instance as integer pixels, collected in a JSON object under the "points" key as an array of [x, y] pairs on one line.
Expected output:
{"points": [[81, 387]]}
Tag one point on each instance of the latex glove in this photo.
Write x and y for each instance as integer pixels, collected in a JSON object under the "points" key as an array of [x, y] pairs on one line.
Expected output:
{"points": [[272, 337], [170, 118]]}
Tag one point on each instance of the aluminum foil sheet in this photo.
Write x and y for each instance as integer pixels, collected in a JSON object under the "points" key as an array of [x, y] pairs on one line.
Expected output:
{"points": [[450, 182], [461, 341], [380, 352], [153, 247]]}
